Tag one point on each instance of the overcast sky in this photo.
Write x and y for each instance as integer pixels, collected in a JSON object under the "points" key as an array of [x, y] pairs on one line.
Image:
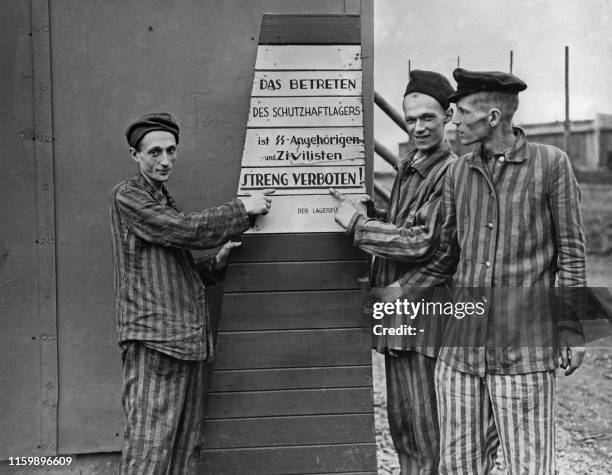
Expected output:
{"points": [[482, 32]]}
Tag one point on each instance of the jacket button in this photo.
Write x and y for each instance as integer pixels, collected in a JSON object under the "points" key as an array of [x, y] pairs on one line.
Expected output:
{"points": [[490, 225], [488, 263]]}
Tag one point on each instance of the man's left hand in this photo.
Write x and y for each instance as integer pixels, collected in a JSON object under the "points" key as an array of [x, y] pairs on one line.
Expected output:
{"points": [[571, 358], [571, 351], [223, 254]]}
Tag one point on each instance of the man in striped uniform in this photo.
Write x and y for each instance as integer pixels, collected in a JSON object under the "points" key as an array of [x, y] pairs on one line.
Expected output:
{"points": [[401, 239], [511, 209], [163, 323]]}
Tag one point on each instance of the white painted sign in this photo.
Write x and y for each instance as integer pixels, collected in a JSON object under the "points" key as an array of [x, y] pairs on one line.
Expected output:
{"points": [[311, 146], [307, 83], [304, 134], [308, 57], [302, 180], [305, 111], [291, 214]]}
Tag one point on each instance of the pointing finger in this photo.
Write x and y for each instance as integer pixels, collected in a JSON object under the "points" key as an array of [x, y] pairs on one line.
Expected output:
{"points": [[336, 194]]}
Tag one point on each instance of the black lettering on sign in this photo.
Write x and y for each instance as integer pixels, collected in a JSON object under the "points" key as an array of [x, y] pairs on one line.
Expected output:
{"points": [[321, 179], [270, 84], [320, 83]]}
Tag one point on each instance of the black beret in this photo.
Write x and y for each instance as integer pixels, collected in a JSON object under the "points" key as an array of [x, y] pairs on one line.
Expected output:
{"points": [[432, 84], [148, 123], [471, 82]]}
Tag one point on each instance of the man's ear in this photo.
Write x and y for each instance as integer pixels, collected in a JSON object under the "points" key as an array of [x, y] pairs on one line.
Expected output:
{"points": [[134, 154], [448, 115], [494, 117]]}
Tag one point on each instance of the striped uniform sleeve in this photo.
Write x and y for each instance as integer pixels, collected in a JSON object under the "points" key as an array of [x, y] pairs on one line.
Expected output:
{"points": [[564, 199], [402, 244], [442, 265], [159, 224]]}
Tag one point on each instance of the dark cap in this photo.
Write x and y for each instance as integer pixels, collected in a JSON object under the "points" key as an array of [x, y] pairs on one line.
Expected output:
{"points": [[148, 123], [432, 84], [471, 82]]}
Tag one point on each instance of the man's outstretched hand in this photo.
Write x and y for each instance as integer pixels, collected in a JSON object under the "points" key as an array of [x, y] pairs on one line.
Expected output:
{"points": [[223, 254], [346, 208], [258, 203]]}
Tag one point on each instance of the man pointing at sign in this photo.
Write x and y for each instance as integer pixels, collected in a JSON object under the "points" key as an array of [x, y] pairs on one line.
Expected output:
{"points": [[162, 317], [402, 239]]}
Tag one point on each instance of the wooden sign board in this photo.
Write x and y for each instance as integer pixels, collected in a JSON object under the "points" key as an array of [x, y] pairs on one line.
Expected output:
{"points": [[291, 387], [305, 112], [303, 146], [304, 134], [309, 57], [314, 83], [294, 180]]}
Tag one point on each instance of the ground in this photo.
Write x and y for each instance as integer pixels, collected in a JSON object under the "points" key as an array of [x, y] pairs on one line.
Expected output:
{"points": [[583, 408]]}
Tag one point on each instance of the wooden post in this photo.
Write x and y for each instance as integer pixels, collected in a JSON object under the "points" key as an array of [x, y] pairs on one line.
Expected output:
{"points": [[567, 131]]}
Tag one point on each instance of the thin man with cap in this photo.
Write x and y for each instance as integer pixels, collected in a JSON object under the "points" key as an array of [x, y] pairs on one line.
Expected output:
{"points": [[162, 318], [402, 239], [511, 213]]}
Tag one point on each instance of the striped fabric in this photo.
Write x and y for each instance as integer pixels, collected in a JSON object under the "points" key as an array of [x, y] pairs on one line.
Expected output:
{"points": [[476, 414], [159, 294], [519, 226], [163, 402], [412, 411], [408, 235]]}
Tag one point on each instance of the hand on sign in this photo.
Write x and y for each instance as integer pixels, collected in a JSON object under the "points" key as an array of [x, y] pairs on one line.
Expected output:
{"points": [[346, 208], [258, 203], [223, 254]]}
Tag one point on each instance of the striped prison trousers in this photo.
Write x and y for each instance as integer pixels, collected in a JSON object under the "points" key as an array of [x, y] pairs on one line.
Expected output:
{"points": [[476, 414], [163, 399], [412, 412]]}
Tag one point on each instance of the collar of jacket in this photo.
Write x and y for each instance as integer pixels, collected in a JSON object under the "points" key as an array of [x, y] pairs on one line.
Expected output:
{"points": [[425, 163], [156, 194], [517, 153]]}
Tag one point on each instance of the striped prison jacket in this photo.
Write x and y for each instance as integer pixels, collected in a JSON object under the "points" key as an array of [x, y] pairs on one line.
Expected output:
{"points": [[159, 287], [404, 237], [511, 229]]}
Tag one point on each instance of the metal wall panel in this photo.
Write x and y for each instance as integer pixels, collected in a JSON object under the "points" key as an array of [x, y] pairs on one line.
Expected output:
{"points": [[20, 372], [111, 61]]}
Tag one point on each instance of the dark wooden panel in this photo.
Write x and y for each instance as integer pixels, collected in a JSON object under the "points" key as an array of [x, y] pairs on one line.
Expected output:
{"points": [[341, 458], [289, 349], [296, 247], [289, 403], [276, 431], [310, 29], [291, 378], [339, 275], [289, 310]]}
